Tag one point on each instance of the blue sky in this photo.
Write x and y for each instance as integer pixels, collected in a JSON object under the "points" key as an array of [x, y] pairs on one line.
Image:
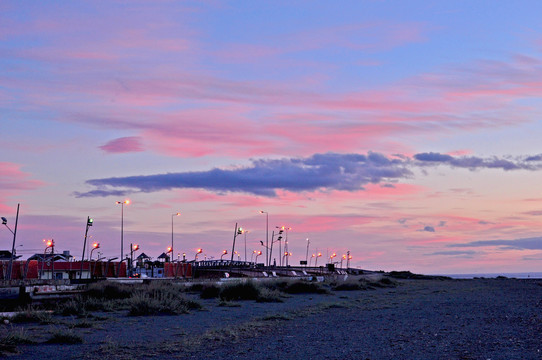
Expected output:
{"points": [[235, 107]]}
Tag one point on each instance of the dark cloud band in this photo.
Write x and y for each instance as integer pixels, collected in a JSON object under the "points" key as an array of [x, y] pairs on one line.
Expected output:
{"points": [[319, 172]]}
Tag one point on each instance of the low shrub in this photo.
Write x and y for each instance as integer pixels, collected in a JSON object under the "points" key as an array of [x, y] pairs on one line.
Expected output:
{"points": [[240, 291], [269, 295], [33, 315], [348, 286], [64, 337], [304, 287], [109, 290], [210, 292]]}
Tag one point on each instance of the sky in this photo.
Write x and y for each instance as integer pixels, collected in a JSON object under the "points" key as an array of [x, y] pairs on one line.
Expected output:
{"points": [[405, 132]]}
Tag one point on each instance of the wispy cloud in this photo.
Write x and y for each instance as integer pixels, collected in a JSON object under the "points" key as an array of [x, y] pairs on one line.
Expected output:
{"points": [[534, 243], [123, 145]]}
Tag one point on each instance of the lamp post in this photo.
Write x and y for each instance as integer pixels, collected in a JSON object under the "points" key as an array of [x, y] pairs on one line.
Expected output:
{"points": [[266, 235], [89, 224], [49, 244], [122, 227], [172, 216], [132, 249], [5, 222], [310, 260], [245, 232], [252, 257], [348, 258], [307, 256], [286, 242], [317, 256], [224, 252], [331, 258], [257, 254], [94, 247], [198, 251]]}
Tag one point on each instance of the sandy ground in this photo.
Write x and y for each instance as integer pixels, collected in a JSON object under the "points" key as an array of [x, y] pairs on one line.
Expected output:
{"points": [[419, 319]]}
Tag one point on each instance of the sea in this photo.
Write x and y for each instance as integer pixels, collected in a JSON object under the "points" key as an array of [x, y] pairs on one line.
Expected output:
{"points": [[520, 275]]}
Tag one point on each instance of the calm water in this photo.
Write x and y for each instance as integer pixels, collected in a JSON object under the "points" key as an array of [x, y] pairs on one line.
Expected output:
{"points": [[522, 275]]}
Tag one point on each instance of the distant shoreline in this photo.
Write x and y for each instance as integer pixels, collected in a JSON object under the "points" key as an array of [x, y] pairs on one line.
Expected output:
{"points": [[520, 275]]}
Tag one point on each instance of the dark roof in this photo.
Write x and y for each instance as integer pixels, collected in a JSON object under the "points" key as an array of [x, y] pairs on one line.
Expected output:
{"points": [[48, 257], [143, 256], [163, 256]]}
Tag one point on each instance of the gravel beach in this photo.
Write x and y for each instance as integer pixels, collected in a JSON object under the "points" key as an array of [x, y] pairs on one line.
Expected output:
{"points": [[417, 319]]}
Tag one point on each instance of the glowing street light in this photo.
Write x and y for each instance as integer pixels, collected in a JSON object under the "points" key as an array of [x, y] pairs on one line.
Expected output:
{"points": [[313, 255], [198, 251], [122, 227], [317, 256], [95, 246], [224, 252], [331, 257], [172, 216], [49, 244], [133, 248], [257, 254]]}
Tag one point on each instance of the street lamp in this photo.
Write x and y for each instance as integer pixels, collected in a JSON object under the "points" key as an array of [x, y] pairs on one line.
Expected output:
{"points": [[5, 222], [133, 248], [245, 232], [224, 252], [169, 250], [331, 258], [266, 235], [342, 258], [89, 224], [307, 256], [172, 216], [257, 254], [198, 251], [94, 247], [238, 256], [252, 257], [317, 256], [122, 227], [49, 243], [310, 260]]}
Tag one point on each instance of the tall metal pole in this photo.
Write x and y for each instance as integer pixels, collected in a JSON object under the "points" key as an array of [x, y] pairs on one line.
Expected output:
{"points": [[13, 245], [246, 245], [89, 222], [271, 250], [121, 233], [233, 246], [307, 256]]}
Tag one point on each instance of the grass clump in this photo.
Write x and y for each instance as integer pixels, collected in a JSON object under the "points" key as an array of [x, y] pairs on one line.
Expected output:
{"points": [[32, 315], [304, 287], [159, 298], [240, 291], [64, 337], [210, 292], [106, 290]]}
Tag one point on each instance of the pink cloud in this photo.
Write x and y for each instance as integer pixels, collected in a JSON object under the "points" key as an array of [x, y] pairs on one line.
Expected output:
{"points": [[123, 145], [12, 178]]}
